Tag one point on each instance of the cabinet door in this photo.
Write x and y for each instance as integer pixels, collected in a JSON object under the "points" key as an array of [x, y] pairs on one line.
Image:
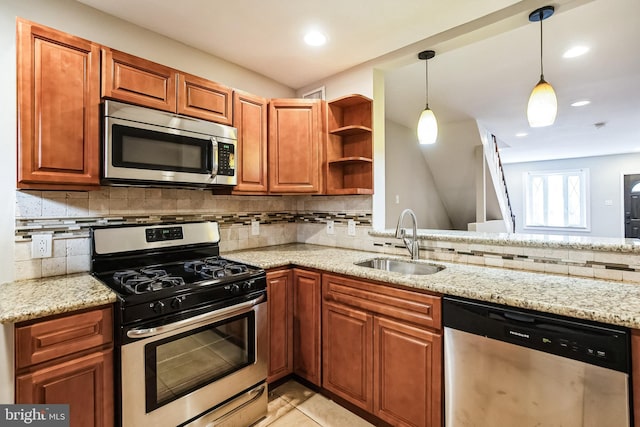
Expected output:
{"points": [[58, 82], [347, 347], [407, 374], [85, 383], [204, 99], [306, 325], [250, 118], [132, 79], [295, 151], [279, 307]]}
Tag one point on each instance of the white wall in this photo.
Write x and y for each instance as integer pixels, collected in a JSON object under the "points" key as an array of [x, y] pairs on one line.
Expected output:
{"points": [[452, 162], [78, 19], [409, 178], [605, 184]]}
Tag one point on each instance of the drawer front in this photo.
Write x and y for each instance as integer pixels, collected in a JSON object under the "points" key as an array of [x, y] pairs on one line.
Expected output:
{"points": [[50, 339], [414, 307]]}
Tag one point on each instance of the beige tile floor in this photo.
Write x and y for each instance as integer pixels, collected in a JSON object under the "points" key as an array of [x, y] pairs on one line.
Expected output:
{"points": [[293, 405]]}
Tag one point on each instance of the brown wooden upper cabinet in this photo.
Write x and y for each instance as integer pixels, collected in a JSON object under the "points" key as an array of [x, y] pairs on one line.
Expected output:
{"points": [[296, 151], [58, 82], [250, 118], [132, 79]]}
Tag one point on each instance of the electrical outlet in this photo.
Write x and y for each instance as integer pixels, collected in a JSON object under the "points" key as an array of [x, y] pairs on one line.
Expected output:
{"points": [[351, 227], [255, 228], [330, 228], [41, 246], [397, 199]]}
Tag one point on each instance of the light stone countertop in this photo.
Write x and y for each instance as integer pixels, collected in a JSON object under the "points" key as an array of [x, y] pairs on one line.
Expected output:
{"points": [[604, 301], [548, 241], [599, 300], [36, 298]]}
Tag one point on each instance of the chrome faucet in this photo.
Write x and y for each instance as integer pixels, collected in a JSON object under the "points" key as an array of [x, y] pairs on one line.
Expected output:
{"points": [[410, 243]]}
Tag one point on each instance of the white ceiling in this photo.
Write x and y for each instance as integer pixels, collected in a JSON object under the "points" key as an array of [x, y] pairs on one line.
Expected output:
{"points": [[488, 80]]}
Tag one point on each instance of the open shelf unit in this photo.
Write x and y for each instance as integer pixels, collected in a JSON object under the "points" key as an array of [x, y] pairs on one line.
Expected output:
{"points": [[350, 146]]}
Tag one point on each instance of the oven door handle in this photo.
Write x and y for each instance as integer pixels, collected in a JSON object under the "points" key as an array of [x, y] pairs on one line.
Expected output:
{"points": [[211, 316]]}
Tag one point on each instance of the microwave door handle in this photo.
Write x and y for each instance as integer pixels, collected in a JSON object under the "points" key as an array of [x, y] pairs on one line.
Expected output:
{"points": [[214, 157]]}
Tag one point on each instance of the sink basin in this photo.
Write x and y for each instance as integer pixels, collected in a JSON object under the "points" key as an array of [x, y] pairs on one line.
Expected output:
{"points": [[399, 266]]}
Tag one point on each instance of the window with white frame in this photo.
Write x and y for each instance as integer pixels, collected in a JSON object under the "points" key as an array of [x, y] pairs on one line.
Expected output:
{"points": [[557, 199]]}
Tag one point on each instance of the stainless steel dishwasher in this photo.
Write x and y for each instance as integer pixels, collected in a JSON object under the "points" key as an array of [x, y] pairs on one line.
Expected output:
{"points": [[512, 367]]}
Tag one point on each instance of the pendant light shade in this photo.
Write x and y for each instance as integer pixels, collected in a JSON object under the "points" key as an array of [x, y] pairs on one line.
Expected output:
{"points": [[427, 127], [427, 124], [543, 104]]}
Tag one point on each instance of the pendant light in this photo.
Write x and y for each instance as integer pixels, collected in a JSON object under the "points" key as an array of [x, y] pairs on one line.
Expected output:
{"points": [[427, 124], [543, 104]]}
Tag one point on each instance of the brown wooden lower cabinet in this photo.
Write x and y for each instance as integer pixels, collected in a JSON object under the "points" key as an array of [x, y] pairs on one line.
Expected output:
{"points": [[382, 350], [406, 374], [280, 309], [347, 350], [306, 324], [294, 302], [68, 359], [85, 384]]}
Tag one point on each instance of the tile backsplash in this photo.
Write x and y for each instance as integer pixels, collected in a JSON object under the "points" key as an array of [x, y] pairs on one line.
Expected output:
{"points": [[68, 215]]}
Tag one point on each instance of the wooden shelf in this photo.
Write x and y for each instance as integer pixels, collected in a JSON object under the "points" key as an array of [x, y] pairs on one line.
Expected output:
{"points": [[345, 160], [350, 101], [352, 191], [349, 151], [350, 130]]}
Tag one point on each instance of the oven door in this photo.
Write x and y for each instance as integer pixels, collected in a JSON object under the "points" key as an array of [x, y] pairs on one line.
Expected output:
{"points": [[176, 372]]}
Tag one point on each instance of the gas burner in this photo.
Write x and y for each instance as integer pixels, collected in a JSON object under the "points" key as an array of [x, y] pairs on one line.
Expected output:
{"points": [[146, 280], [215, 268]]}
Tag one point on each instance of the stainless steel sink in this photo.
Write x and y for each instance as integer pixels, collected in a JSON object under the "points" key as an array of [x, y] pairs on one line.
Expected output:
{"points": [[399, 266]]}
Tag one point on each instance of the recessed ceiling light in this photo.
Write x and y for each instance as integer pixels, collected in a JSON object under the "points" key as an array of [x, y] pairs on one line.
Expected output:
{"points": [[315, 38], [521, 134], [575, 51], [581, 103]]}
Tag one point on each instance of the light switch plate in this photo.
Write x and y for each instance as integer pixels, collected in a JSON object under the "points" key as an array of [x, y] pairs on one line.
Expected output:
{"points": [[255, 228], [41, 245], [330, 228], [351, 227]]}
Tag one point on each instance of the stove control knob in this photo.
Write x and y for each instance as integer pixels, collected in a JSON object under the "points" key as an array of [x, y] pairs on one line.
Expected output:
{"points": [[176, 303], [157, 307], [247, 285], [234, 289]]}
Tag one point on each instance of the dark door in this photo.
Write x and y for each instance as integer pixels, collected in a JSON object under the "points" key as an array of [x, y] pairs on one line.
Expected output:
{"points": [[632, 206]]}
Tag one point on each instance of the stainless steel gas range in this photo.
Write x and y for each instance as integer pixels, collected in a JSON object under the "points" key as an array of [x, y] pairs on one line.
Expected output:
{"points": [[190, 326]]}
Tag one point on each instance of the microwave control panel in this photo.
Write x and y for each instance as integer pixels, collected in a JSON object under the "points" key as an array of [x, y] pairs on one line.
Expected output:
{"points": [[226, 159]]}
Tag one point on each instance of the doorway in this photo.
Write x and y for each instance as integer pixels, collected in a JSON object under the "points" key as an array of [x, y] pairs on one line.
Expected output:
{"points": [[632, 206]]}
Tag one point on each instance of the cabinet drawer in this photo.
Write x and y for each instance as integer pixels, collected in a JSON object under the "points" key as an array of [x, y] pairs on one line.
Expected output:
{"points": [[414, 307], [50, 339]]}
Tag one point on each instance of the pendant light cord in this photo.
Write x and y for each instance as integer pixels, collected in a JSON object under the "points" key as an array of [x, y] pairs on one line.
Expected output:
{"points": [[426, 64], [541, 69]]}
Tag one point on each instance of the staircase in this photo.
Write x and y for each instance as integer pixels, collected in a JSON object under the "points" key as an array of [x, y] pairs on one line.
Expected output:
{"points": [[493, 206]]}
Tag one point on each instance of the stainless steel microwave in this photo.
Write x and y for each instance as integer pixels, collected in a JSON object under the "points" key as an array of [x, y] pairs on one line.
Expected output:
{"points": [[142, 146]]}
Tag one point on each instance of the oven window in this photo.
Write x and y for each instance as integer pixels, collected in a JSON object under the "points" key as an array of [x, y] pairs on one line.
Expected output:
{"points": [[180, 364], [147, 149]]}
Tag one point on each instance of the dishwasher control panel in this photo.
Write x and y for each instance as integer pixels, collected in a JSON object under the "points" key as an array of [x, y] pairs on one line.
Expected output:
{"points": [[590, 342]]}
